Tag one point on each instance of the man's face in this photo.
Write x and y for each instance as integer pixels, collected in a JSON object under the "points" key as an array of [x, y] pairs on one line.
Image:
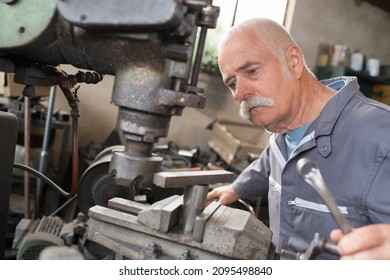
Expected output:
{"points": [[249, 70]]}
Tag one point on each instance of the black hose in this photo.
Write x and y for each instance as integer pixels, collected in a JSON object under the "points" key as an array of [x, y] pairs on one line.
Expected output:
{"points": [[42, 177]]}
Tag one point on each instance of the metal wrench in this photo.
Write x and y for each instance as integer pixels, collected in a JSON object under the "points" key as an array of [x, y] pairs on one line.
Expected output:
{"points": [[315, 179]]}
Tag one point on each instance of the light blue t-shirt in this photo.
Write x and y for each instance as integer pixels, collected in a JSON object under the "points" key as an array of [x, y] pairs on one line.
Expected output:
{"points": [[293, 137]]}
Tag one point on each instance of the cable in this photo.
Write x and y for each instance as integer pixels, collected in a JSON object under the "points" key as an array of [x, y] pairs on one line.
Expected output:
{"points": [[63, 205], [42, 177]]}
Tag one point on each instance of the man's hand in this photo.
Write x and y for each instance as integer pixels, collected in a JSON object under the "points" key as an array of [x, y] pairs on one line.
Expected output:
{"points": [[225, 195], [364, 243]]}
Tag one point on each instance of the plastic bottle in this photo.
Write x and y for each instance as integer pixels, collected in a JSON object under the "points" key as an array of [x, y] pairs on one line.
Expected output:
{"points": [[356, 60], [373, 65]]}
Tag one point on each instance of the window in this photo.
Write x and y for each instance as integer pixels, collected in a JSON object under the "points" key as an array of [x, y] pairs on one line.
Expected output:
{"points": [[236, 11]]}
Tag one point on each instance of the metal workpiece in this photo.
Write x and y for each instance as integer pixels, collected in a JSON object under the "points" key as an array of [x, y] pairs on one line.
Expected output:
{"points": [[309, 171], [127, 206], [162, 215], [167, 179], [228, 234], [201, 219], [179, 211], [194, 202]]}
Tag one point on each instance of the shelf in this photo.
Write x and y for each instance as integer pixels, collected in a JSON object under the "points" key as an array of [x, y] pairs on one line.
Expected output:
{"points": [[366, 81]]}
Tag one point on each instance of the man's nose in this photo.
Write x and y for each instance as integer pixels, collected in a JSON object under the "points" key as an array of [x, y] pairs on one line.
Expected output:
{"points": [[241, 91]]}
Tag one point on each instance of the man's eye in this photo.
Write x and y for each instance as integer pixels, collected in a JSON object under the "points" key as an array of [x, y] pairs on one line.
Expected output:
{"points": [[252, 71], [232, 85]]}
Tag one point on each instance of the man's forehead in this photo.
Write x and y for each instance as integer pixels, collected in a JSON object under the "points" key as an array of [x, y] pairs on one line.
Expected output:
{"points": [[241, 56], [241, 38]]}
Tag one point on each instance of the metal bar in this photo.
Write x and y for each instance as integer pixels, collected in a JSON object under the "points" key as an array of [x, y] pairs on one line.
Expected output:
{"points": [[127, 206], [162, 215], [198, 56], [190, 178], [27, 131], [200, 221], [45, 148], [194, 202]]}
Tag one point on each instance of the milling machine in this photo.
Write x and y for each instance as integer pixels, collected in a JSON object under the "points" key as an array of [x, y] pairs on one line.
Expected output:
{"points": [[154, 49]]}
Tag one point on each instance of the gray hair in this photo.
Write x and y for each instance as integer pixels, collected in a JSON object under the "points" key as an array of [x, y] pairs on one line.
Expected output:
{"points": [[276, 38]]}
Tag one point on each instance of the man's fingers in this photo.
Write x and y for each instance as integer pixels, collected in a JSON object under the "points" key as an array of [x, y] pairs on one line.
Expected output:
{"points": [[360, 239], [336, 235], [375, 253], [212, 196]]}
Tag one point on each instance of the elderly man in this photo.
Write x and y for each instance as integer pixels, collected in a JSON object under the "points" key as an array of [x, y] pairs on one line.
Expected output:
{"points": [[330, 122]]}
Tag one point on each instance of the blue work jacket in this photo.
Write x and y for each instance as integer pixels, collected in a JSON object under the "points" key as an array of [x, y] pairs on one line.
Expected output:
{"points": [[350, 142]]}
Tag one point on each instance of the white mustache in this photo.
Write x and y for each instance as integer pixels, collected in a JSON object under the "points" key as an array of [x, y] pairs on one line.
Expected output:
{"points": [[252, 102]]}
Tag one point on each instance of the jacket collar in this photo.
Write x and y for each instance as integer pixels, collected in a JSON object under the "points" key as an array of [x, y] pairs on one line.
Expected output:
{"points": [[336, 105], [325, 122]]}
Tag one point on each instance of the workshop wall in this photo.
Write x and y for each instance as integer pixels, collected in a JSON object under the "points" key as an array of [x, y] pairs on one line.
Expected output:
{"points": [[360, 26], [355, 24]]}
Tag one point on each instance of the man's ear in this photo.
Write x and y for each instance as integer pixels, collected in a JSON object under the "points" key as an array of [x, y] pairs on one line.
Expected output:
{"points": [[294, 59]]}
